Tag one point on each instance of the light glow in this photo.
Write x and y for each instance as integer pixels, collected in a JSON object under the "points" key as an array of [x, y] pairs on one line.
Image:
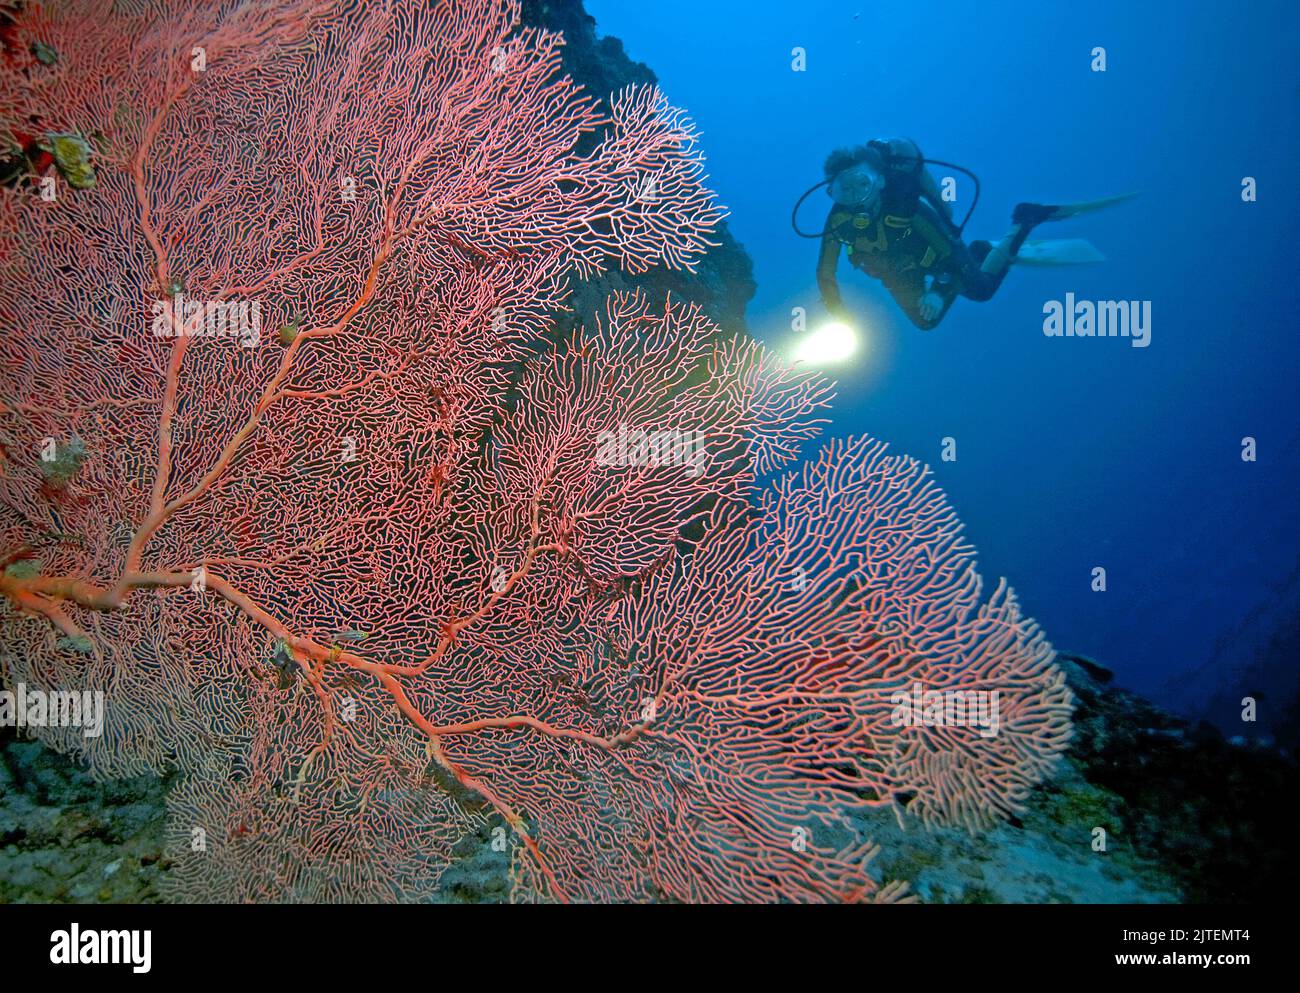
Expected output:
{"points": [[829, 344]]}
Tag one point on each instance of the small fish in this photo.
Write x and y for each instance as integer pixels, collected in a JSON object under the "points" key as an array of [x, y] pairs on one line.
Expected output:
{"points": [[352, 634]]}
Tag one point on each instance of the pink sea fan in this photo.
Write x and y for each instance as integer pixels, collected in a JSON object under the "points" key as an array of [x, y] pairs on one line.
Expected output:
{"points": [[366, 573]]}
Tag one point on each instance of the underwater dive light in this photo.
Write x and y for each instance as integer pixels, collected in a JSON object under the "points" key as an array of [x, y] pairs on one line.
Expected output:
{"points": [[829, 344]]}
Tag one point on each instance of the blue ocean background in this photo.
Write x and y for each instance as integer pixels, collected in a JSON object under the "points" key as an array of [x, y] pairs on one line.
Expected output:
{"points": [[1072, 453]]}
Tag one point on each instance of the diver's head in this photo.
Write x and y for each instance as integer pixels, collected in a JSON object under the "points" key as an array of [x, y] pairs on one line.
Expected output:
{"points": [[857, 188]]}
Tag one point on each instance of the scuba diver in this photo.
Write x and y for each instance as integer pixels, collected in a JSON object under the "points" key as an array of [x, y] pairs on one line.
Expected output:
{"points": [[896, 227]]}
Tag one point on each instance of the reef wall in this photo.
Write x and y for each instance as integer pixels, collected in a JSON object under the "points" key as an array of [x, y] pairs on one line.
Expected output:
{"points": [[723, 281]]}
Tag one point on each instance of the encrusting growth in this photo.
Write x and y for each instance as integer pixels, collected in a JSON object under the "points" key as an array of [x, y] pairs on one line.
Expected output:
{"points": [[370, 585]]}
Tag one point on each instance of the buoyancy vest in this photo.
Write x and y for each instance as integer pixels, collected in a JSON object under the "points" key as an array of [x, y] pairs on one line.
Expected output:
{"points": [[893, 243]]}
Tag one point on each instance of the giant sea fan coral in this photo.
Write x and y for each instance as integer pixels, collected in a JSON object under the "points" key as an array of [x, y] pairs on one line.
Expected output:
{"points": [[364, 574]]}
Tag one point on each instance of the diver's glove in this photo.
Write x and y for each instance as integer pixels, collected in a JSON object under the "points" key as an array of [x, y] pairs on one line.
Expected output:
{"points": [[930, 306]]}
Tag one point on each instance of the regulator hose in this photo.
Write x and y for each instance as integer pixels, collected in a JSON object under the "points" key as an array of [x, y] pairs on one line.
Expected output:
{"points": [[794, 214]]}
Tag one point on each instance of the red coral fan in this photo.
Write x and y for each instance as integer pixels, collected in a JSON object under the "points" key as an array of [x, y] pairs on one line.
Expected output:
{"points": [[294, 475]]}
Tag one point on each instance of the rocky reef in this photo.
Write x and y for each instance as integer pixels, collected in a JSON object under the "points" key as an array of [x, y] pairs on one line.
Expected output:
{"points": [[66, 838], [1205, 808]]}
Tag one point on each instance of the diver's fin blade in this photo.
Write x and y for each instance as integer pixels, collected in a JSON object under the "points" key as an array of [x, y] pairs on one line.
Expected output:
{"points": [[1088, 206], [1065, 251]]}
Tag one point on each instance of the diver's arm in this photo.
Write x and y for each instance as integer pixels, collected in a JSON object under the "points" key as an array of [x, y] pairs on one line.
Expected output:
{"points": [[925, 299], [941, 291], [909, 291], [932, 294], [826, 282]]}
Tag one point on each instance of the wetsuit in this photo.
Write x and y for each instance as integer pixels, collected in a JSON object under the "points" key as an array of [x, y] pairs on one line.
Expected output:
{"points": [[910, 246]]}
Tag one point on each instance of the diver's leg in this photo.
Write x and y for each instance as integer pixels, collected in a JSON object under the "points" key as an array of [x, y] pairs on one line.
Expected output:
{"points": [[967, 263], [980, 285], [1025, 219]]}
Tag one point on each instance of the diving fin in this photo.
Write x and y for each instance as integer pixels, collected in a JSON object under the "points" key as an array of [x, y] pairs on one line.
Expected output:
{"points": [[1065, 251], [1087, 206]]}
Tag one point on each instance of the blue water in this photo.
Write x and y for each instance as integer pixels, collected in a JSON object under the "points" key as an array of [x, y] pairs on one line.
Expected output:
{"points": [[1072, 452]]}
